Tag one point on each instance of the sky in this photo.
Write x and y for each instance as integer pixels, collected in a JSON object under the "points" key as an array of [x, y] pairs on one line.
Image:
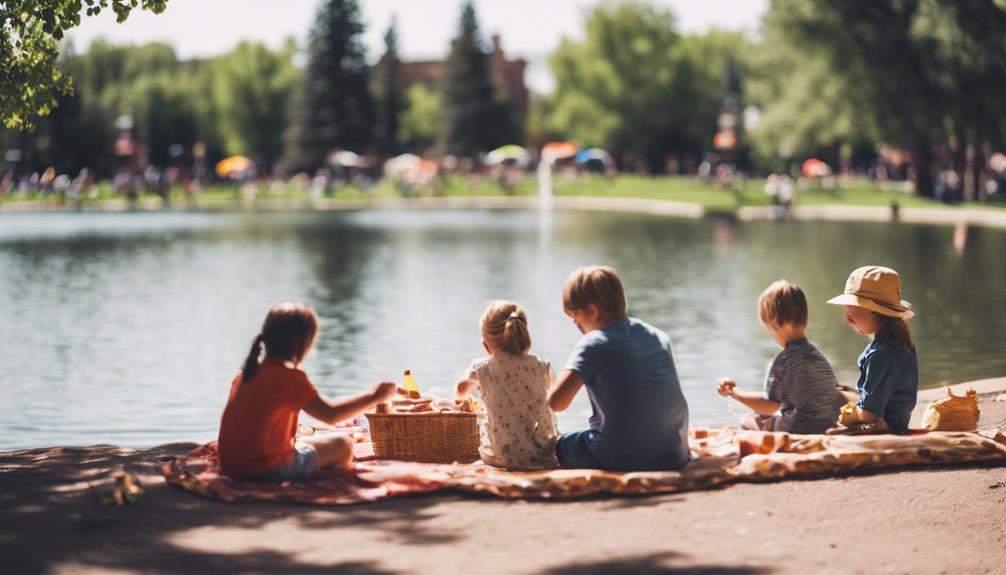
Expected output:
{"points": [[530, 29]]}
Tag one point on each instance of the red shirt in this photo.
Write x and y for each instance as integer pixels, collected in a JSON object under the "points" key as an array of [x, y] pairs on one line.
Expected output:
{"points": [[260, 421]]}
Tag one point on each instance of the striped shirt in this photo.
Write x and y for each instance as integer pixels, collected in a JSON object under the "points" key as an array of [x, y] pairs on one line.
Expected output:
{"points": [[802, 381]]}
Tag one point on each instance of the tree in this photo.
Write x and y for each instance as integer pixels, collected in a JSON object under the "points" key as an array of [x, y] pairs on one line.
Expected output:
{"points": [[250, 89], [804, 107], [921, 72], [164, 115], [635, 86], [970, 47], [147, 83], [475, 115], [389, 104], [332, 107], [421, 119], [233, 104], [29, 78]]}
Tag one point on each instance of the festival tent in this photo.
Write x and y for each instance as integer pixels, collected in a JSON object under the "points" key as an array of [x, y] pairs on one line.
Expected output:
{"points": [[410, 168], [347, 159]]}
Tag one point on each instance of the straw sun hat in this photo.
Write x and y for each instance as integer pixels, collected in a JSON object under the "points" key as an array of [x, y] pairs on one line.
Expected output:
{"points": [[877, 289]]}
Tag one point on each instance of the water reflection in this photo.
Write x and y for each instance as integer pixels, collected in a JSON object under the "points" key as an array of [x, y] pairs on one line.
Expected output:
{"points": [[126, 328]]}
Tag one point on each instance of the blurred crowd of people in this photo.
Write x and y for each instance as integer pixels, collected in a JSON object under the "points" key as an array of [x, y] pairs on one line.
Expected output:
{"points": [[506, 167]]}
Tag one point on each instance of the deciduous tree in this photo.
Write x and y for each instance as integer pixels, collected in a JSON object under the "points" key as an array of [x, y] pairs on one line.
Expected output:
{"points": [[30, 81]]}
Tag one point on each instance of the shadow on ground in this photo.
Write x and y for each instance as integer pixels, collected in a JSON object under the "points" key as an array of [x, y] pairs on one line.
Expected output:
{"points": [[50, 516], [653, 564]]}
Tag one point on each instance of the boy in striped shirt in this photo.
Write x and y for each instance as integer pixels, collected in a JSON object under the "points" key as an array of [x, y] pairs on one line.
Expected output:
{"points": [[801, 390]]}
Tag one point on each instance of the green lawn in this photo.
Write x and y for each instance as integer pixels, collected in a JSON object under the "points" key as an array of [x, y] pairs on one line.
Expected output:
{"points": [[677, 188], [685, 189]]}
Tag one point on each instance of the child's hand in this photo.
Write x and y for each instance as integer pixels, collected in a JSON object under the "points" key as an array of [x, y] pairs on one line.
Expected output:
{"points": [[383, 392], [726, 387], [464, 387], [848, 416]]}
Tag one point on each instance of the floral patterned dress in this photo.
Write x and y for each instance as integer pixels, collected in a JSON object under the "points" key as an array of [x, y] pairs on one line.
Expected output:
{"points": [[520, 427]]}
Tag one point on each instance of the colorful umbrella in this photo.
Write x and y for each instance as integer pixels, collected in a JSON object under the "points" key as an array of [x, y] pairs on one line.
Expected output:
{"points": [[233, 165], [508, 153], [553, 151], [814, 168], [592, 155]]}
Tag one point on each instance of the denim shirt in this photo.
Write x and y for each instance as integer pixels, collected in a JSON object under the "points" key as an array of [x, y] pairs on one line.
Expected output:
{"points": [[888, 384]]}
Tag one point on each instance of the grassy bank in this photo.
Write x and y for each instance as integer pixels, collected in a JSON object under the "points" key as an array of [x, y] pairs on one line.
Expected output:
{"points": [[676, 188]]}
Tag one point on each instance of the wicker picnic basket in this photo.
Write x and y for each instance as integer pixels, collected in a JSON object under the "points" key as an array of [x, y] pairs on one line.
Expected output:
{"points": [[428, 437]]}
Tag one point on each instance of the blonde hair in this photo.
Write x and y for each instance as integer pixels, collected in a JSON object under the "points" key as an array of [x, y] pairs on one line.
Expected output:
{"points": [[782, 303], [598, 285], [504, 327]]}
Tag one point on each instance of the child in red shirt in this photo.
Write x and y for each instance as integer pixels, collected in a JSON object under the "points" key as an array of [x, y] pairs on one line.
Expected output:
{"points": [[258, 430]]}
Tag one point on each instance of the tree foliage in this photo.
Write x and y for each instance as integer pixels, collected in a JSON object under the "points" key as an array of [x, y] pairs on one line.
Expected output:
{"points": [[476, 117], [233, 104], [636, 86], [918, 72], [805, 108], [30, 81], [421, 119], [333, 106], [250, 89]]}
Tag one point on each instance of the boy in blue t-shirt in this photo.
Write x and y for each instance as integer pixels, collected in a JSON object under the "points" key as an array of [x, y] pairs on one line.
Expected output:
{"points": [[640, 419]]}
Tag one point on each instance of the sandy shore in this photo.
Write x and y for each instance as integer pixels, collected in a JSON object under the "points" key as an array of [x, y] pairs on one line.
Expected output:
{"points": [[919, 520]]}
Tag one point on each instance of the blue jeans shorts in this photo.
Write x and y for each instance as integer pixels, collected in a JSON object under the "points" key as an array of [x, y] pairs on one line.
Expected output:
{"points": [[572, 452], [302, 465]]}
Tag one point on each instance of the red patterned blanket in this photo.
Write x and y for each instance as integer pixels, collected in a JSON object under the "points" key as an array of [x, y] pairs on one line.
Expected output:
{"points": [[723, 457]]}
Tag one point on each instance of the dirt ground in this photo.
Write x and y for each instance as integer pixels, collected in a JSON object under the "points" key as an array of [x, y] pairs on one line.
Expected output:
{"points": [[918, 520]]}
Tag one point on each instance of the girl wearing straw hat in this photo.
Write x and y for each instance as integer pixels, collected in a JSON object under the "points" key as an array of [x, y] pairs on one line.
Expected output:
{"points": [[888, 367]]}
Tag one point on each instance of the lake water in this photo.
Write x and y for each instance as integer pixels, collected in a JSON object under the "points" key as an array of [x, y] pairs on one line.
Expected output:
{"points": [[127, 328]]}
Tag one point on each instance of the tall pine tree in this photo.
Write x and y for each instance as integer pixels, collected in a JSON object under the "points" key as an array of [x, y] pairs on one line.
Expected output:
{"points": [[476, 116], [389, 104], [332, 107]]}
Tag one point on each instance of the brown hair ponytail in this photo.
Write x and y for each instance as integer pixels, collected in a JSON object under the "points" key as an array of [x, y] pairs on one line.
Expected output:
{"points": [[287, 334], [894, 332], [251, 362], [504, 327]]}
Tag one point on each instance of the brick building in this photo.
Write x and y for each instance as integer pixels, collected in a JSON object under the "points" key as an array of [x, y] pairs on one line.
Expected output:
{"points": [[508, 74]]}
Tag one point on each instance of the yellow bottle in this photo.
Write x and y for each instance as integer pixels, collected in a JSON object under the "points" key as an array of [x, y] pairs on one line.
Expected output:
{"points": [[409, 384]]}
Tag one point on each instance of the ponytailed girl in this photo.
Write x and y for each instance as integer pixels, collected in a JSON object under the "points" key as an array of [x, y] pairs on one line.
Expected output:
{"points": [[520, 426], [888, 367], [258, 429]]}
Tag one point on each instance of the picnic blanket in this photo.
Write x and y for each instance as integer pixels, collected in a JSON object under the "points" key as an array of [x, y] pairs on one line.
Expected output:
{"points": [[722, 457]]}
